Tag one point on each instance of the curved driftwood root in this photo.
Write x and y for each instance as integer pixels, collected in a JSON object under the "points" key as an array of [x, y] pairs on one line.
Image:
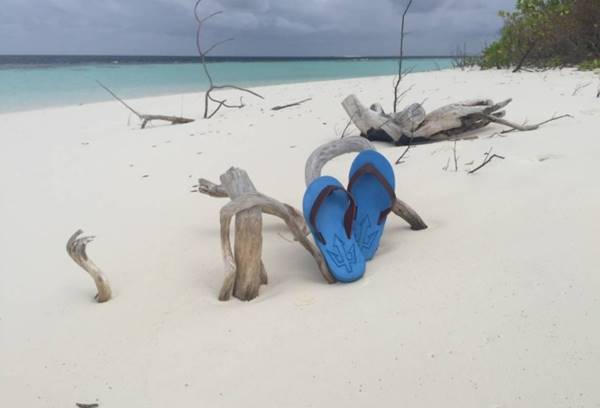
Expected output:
{"points": [[244, 270], [76, 248], [404, 211], [331, 150], [267, 205], [324, 153]]}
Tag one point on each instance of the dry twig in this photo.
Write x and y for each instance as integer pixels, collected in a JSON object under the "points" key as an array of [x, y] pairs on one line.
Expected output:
{"points": [[403, 154], [488, 157], [579, 87], [522, 128], [212, 87], [400, 59], [455, 157]]}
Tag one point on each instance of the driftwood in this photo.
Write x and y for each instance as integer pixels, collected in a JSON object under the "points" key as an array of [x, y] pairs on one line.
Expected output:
{"points": [[245, 271], [76, 248], [289, 105], [208, 97], [329, 151], [413, 126], [144, 118], [525, 128]]}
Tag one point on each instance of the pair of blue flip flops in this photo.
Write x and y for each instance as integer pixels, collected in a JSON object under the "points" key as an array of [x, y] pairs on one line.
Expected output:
{"points": [[347, 224]]}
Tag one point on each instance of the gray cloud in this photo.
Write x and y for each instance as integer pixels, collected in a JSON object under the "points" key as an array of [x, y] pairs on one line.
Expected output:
{"points": [[261, 27]]}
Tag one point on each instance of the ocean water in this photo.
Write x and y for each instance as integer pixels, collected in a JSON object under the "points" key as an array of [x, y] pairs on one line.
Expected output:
{"points": [[36, 82]]}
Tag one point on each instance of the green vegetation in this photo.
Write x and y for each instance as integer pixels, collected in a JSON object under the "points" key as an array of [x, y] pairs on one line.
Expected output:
{"points": [[546, 34]]}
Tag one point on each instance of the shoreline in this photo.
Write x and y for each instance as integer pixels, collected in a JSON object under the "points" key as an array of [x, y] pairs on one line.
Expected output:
{"points": [[36, 88]]}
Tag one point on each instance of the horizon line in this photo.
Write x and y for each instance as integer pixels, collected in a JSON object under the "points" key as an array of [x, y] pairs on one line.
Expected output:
{"points": [[227, 56]]}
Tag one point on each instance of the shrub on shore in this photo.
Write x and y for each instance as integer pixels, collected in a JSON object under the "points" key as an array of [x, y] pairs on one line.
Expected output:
{"points": [[547, 34]]}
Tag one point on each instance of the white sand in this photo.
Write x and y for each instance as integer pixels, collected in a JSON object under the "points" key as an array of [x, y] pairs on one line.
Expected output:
{"points": [[495, 305]]}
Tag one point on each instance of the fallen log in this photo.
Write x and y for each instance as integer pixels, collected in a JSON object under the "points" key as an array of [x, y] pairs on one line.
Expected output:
{"points": [[331, 150]]}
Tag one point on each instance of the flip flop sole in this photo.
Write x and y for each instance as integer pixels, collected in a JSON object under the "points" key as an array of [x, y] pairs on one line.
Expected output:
{"points": [[372, 199], [344, 258]]}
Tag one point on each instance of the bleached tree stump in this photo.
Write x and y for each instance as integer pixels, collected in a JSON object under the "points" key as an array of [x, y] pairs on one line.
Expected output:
{"points": [[245, 271], [331, 150]]}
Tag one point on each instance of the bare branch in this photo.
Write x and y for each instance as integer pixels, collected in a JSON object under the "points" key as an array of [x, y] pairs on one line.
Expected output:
{"points": [[215, 45], [175, 120], [401, 58], [212, 87], [120, 100], [522, 128]]}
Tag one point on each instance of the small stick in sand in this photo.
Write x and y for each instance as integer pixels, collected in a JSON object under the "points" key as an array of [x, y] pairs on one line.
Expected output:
{"points": [[488, 158], [455, 157], [76, 248], [579, 87], [280, 107], [402, 155]]}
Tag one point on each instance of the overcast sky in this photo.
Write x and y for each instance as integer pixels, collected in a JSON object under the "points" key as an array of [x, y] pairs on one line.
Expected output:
{"points": [[260, 27]]}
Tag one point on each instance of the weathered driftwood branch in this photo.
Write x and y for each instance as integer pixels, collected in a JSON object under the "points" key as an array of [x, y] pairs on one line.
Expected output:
{"points": [[414, 126], [267, 205], [524, 128], [76, 248], [144, 118], [329, 151], [245, 272], [400, 60], [208, 97], [289, 105]]}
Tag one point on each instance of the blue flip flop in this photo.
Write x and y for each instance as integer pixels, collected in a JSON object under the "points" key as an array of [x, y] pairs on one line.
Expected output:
{"points": [[329, 211], [372, 185]]}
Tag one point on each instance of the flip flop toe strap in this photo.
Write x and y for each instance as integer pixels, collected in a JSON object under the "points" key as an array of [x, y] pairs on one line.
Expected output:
{"points": [[372, 170], [348, 216]]}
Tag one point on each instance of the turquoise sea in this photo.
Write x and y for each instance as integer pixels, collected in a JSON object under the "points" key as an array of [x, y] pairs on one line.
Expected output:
{"points": [[32, 82]]}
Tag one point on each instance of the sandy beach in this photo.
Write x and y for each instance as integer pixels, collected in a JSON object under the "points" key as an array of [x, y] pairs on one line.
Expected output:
{"points": [[496, 304]]}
